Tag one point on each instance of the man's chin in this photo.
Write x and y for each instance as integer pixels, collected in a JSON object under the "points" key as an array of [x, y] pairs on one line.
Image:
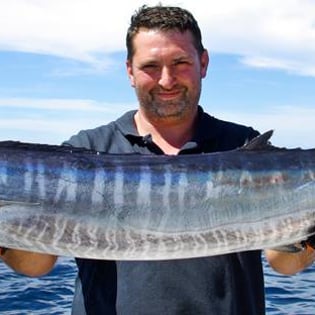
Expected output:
{"points": [[170, 114]]}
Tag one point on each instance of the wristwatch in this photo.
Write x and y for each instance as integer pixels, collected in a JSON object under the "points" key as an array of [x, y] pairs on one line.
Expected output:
{"points": [[3, 250], [310, 241]]}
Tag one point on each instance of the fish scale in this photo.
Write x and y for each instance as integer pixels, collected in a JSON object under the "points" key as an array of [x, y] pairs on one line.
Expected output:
{"points": [[76, 202]]}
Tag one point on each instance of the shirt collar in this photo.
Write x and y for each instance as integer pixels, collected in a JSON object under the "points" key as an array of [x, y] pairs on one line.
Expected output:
{"points": [[204, 139], [126, 124], [205, 136]]}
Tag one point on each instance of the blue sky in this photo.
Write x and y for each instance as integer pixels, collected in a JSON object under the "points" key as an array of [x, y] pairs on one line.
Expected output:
{"points": [[62, 66]]}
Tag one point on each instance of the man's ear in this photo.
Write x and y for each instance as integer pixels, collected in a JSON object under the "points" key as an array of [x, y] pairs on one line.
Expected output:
{"points": [[204, 62], [130, 72]]}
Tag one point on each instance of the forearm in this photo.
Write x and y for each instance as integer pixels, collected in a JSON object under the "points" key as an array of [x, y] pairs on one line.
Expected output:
{"points": [[28, 263], [290, 263]]}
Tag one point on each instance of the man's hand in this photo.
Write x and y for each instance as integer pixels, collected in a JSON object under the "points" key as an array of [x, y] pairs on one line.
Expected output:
{"points": [[290, 263], [28, 263]]}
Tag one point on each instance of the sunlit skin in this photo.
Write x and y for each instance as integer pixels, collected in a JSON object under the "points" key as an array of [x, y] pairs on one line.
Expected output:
{"points": [[28, 263], [290, 263], [166, 72]]}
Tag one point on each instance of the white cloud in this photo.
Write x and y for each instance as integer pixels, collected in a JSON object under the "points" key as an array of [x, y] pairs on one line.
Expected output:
{"points": [[266, 33], [53, 120], [62, 105]]}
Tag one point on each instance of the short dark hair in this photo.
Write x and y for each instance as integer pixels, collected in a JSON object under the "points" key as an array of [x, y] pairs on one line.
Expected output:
{"points": [[163, 18]]}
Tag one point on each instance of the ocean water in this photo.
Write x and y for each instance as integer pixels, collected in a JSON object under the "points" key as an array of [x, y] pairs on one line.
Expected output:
{"points": [[52, 294]]}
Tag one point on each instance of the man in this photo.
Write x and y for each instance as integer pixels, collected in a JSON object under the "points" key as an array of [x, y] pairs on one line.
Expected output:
{"points": [[166, 62]]}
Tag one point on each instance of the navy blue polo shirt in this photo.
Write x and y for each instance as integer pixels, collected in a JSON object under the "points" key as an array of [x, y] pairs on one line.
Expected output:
{"points": [[221, 285]]}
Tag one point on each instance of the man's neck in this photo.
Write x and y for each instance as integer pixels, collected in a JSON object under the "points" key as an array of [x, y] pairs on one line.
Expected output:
{"points": [[170, 137]]}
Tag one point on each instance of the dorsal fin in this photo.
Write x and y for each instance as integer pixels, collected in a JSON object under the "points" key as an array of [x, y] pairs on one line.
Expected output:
{"points": [[260, 142]]}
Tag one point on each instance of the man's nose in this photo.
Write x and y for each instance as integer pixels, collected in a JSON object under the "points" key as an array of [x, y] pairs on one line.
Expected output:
{"points": [[167, 78]]}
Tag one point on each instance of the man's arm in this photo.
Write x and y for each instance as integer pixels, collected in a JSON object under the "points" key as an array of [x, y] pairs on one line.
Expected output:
{"points": [[28, 263], [290, 263]]}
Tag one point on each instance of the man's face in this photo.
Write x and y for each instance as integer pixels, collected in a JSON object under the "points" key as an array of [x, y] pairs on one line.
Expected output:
{"points": [[166, 72]]}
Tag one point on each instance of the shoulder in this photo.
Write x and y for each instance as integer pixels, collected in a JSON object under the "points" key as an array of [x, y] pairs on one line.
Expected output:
{"points": [[101, 138], [228, 135], [237, 132], [92, 138]]}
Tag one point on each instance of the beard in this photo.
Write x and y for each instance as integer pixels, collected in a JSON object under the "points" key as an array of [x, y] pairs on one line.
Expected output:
{"points": [[155, 108]]}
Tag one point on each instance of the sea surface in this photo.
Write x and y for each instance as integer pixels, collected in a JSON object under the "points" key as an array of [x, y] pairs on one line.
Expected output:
{"points": [[52, 294]]}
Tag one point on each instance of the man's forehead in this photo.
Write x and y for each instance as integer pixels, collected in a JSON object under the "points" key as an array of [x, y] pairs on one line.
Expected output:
{"points": [[157, 41]]}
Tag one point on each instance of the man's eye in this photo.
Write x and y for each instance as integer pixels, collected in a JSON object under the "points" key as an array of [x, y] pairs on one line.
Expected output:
{"points": [[181, 62], [149, 66]]}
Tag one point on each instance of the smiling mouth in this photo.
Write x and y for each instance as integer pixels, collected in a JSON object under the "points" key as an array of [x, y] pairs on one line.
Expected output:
{"points": [[169, 95]]}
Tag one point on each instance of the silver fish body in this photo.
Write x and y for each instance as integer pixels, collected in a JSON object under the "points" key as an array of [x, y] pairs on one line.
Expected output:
{"points": [[74, 202]]}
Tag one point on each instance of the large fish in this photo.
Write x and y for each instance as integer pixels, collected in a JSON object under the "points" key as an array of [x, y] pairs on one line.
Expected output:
{"points": [[74, 202]]}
